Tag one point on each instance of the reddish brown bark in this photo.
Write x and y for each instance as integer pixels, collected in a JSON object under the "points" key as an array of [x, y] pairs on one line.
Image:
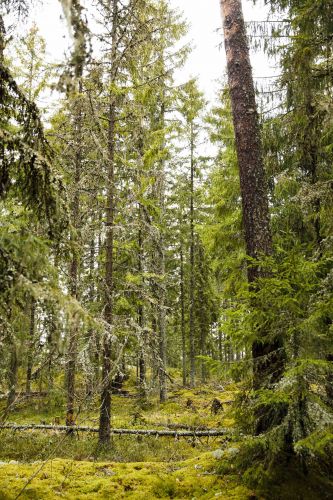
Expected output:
{"points": [[246, 124], [267, 354]]}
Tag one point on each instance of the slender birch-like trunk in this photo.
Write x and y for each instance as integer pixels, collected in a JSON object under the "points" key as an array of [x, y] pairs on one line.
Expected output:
{"points": [[191, 291], [182, 306], [30, 345], [141, 320], [12, 376], [161, 284], [202, 314], [74, 269]]}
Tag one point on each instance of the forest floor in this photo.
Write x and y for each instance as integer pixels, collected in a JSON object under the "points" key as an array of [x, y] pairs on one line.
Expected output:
{"points": [[50, 464]]}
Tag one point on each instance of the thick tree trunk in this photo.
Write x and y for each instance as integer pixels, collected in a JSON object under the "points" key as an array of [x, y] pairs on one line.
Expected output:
{"points": [[268, 355], [248, 142], [191, 291], [105, 408], [30, 345]]}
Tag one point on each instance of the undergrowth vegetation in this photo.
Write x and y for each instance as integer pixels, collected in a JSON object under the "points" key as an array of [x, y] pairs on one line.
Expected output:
{"points": [[51, 464], [133, 466]]}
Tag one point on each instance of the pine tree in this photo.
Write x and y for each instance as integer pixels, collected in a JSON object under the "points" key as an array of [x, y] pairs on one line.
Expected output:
{"points": [[268, 354]]}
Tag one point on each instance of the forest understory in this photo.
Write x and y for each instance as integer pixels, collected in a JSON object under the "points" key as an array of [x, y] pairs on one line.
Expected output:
{"points": [[48, 464]]}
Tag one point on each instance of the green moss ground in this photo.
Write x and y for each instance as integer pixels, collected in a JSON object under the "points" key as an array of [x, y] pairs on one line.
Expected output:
{"points": [[194, 478], [138, 467], [133, 467]]}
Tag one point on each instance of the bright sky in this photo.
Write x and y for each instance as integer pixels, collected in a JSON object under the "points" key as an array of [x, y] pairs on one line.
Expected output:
{"points": [[207, 60]]}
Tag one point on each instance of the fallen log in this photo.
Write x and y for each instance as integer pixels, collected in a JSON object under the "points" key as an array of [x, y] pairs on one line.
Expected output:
{"points": [[182, 426], [133, 432]]}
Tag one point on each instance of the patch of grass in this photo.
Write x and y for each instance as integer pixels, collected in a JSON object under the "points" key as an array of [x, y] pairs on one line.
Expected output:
{"points": [[29, 446]]}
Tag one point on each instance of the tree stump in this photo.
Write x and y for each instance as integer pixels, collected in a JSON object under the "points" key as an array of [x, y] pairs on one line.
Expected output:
{"points": [[216, 406]]}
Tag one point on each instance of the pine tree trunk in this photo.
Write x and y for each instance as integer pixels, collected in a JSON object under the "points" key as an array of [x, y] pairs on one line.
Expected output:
{"points": [[105, 408], [248, 141], [268, 355], [30, 345]]}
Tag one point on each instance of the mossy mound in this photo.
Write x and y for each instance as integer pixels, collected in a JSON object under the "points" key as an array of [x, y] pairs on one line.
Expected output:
{"points": [[67, 479]]}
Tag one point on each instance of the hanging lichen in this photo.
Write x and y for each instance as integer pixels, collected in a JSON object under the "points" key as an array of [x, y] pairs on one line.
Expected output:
{"points": [[67, 8], [73, 12]]}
